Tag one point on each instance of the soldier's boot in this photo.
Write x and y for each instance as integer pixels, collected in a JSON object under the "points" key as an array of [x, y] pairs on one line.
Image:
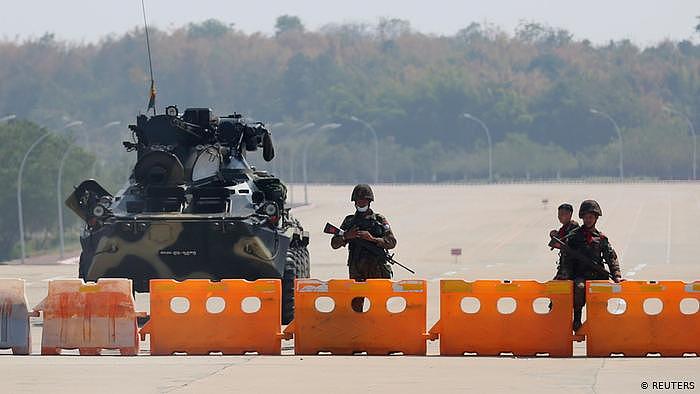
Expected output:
{"points": [[577, 320]]}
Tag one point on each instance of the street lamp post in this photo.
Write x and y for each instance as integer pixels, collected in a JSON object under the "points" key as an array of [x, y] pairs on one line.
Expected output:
{"points": [[327, 126], [488, 139], [19, 185], [58, 197], [59, 182], [619, 135], [376, 146], [692, 132], [291, 162], [19, 192]]}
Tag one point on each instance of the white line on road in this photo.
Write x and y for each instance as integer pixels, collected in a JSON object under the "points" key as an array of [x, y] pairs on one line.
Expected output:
{"points": [[636, 269], [632, 228], [70, 260], [668, 233], [56, 278]]}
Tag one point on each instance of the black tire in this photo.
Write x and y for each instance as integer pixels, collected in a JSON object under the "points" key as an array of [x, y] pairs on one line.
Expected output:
{"points": [[83, 265], [297, 266]]}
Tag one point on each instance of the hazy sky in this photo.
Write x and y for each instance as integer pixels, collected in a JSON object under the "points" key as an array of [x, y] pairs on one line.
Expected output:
{"points": [[643, 21]]}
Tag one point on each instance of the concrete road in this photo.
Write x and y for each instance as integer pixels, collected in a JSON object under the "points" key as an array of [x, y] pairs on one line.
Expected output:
{"points": [[502, 230]]}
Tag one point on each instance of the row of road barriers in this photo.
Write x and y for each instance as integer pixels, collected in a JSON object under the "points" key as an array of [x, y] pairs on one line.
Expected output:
{"points": [[344, 317]]}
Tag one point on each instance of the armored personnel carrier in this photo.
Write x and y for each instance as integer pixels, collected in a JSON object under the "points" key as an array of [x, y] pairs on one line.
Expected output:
{"points": [[193, 208]]}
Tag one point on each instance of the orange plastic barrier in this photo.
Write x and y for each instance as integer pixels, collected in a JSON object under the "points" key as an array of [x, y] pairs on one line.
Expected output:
{"points": [[326, 322], [470, 321], [14, 317], [667, 327], [233, 316], [89, 317]]}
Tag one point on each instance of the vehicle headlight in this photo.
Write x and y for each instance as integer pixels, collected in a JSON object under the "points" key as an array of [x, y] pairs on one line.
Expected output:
{"points": [[271, 209], [98, 211]]}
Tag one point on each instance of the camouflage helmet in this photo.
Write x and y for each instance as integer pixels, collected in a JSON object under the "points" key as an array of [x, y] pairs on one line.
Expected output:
{"points": [[362, 191], [589, 206]]}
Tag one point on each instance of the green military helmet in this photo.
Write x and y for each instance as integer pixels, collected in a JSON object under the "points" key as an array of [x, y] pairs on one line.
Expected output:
{"points": [[591, 206], [362, 191]]}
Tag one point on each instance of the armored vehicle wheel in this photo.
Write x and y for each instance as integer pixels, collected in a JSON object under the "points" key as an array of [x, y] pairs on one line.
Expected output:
{"points": [[297, 266], [83, 265]]}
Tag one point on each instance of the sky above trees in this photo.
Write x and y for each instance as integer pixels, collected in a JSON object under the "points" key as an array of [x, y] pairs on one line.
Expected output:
{"points": [[644, 22]]}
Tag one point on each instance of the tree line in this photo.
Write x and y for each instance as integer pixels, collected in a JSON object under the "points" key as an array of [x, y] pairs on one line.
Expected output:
{"points": [[39, 184], [534, 90]]}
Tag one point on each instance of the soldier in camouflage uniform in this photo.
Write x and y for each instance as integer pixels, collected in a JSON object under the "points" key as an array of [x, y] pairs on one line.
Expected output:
{"points": [[568, 225], [590, 242], [372, 227]]}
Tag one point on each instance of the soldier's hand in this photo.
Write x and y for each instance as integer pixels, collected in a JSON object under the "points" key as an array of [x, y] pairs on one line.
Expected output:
{"points": [[618, 279], [365, 235], [553, 233], [351, 234]]}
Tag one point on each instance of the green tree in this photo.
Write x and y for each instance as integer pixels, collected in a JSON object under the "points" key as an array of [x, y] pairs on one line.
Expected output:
{"points": [[210, 28], [287, 23]]}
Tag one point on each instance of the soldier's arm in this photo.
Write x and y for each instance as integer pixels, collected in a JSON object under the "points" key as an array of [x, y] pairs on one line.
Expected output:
{"points": [[611, 260], [568, 262], [565, 268], [338, 241], [388, 241]]}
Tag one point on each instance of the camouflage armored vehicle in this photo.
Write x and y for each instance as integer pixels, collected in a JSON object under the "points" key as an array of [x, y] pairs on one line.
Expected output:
{"points": [[193, 208]]}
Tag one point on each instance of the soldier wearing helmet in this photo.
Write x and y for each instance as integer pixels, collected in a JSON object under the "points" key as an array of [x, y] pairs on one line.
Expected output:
{"points": [[591, 243], [370, 226]]}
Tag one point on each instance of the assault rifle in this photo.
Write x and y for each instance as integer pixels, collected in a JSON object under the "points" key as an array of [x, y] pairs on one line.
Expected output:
{"points": [[368, 246], [582, 257]]}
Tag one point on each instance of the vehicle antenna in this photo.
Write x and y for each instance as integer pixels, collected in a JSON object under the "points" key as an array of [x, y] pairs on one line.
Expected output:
{"points": [[152, 98]]}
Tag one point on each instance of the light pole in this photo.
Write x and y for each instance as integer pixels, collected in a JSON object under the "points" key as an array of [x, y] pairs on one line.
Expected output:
{"points": [[692, 132], [19, 185], [19, 192], [619, 135], [488, 139], [59, 181], [7, 118], [291, 161], [327, 126], [376, 146]]}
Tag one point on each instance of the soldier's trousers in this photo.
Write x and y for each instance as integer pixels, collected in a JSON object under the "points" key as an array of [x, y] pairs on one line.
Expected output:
{"points": [[363, 270], [580, 291]]}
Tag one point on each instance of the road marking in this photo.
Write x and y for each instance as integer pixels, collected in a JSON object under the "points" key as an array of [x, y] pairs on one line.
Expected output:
{"points": [[632, 231], [668, 233], [636, 269], [70, 260], [56, 278]]}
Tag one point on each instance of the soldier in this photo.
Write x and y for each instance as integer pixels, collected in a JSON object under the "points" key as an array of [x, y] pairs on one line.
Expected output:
{"points": [[370, 226], [568, 225], [591, 244]]}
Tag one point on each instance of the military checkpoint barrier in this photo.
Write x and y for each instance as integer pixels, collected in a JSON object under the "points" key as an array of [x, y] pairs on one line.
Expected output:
{"points": [[481, 317]]}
